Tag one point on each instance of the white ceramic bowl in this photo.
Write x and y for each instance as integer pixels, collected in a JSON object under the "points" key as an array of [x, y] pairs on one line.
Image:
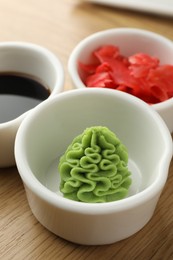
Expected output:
{"points": [[37, 62], [44, 136], [130, 41]]}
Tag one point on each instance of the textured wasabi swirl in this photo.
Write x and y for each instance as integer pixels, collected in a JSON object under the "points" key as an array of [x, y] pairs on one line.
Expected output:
{"points": [[94, 167]]}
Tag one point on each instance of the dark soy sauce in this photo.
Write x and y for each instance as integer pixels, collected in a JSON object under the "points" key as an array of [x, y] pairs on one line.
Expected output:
{"points": [[18, 94]]}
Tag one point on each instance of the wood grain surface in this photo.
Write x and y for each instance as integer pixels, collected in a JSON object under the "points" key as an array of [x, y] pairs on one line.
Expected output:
{"points": [[59, 26]]}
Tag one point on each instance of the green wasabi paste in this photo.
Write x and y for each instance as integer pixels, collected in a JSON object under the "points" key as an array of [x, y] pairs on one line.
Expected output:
{"points": [[94, 167]]}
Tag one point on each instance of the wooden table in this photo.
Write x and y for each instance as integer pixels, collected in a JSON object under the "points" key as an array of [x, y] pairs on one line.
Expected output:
{"points": [[59, 26]]}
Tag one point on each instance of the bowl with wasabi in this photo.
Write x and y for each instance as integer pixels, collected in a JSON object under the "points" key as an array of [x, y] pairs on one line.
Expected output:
{"points": [[94, 163]]}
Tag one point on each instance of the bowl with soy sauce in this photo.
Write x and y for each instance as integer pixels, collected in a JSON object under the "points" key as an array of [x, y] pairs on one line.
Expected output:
{"points": [[29, 74]]}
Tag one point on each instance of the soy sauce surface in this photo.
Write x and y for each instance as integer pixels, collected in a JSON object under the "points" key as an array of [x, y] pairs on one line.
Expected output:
{"points": [[18, 94]]}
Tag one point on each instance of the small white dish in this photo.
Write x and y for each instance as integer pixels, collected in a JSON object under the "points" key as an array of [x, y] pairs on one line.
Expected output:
{"points": [[33, 61], [162, 7], [44, 136], [130, 41]]}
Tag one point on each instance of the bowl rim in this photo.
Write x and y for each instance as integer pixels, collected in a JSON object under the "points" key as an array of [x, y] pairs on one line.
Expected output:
{"points": [[33, 184], [73, 58]]}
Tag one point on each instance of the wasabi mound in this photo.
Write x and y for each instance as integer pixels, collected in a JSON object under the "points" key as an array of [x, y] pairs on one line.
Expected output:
{"points": [[94, 167]]}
